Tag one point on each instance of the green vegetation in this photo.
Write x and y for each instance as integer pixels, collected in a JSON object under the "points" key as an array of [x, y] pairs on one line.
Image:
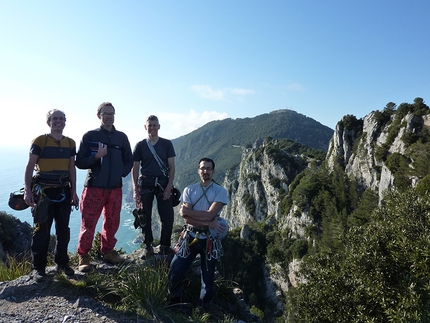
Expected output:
{"points": [[368, 262], [243, 262], [248, 200], [350, 122], [381, 276], [15, 267]]}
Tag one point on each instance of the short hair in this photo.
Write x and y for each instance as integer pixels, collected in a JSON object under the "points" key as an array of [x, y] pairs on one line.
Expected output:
{"points": [[51, 112], [104, 104], [152, 118], [208, 160]]}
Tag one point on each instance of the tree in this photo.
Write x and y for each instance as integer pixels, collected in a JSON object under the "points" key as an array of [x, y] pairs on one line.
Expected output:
{"points": [[390, 108]]}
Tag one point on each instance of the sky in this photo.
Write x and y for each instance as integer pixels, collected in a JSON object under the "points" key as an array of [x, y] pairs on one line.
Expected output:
{"points": [[192, 62]]}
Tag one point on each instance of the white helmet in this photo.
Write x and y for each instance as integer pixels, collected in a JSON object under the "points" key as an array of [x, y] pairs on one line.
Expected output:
{"points": [[220, 235]]}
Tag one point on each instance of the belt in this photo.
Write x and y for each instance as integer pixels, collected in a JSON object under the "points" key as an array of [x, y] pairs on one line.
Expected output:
{"points": [[196, 229]]}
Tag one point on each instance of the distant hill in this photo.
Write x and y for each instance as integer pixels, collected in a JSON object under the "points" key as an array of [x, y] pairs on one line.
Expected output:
{"points": [[223, 140]]}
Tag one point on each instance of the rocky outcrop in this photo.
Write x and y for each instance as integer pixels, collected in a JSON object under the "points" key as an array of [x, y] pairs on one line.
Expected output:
{"points": [[357, 152], [15, 236], [360, 162], [255, 186]]}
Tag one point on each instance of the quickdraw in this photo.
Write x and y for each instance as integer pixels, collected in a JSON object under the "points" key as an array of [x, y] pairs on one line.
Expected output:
{"points": [[214, 249], [181, 247]]}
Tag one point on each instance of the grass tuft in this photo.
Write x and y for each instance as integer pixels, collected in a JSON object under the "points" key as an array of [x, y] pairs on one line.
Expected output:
{"points": [[15, 267]]}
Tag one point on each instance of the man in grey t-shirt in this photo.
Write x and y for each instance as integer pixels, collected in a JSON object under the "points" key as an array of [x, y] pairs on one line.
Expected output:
{"points": [[201, 206]]}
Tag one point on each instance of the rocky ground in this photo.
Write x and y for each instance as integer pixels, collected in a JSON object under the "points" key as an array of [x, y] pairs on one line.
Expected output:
{"points": [[24, 301]]}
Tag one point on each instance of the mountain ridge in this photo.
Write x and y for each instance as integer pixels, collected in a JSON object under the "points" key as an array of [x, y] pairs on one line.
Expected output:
{"points": [[223, 140]]}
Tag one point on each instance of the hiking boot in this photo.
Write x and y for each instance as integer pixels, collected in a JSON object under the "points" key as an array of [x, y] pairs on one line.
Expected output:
{"points": [[39, 275], [147, 252], [65, 269], [84, 263], [113, 257]]}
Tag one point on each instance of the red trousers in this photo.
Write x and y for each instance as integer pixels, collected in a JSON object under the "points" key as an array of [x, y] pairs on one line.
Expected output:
{"points": [[94, 201]]}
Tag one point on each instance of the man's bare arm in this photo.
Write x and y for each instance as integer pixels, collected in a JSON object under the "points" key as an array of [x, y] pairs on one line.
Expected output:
{"points": [[28, 194], [168, 189], [203, 217]]}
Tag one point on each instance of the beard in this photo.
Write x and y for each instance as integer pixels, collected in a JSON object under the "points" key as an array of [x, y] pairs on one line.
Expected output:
{"points": [[206, 177]]}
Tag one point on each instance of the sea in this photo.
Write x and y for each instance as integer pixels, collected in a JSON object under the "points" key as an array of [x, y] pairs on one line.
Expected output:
{"points": [[13, 161]]}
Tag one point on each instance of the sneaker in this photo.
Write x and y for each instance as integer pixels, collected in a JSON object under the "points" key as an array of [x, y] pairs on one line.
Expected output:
{"points": [[65, 269], [147, 252], [39, 275], [113, 257], [84, 263]]}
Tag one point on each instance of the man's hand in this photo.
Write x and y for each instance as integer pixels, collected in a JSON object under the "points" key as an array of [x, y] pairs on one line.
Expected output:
{"points": [[29, 198], [167, 192], [102, 151], [137, 198], [184, 210], [75, 200]]}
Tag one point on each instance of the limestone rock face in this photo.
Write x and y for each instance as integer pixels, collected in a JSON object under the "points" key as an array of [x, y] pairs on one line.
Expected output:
{"points": [[357, 150], [255, 187], [360, 163], [258, 184]]}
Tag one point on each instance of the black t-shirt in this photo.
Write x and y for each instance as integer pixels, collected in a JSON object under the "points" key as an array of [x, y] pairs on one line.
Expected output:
{"points": [[148, 164]]}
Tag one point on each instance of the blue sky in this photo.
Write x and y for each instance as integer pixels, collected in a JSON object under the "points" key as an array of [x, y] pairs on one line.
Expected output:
{"points": [[191, 62]]}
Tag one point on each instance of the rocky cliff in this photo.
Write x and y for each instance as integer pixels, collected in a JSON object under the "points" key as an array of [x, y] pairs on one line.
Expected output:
{"points": [[257, 185], [358, 150], [376, 153]]}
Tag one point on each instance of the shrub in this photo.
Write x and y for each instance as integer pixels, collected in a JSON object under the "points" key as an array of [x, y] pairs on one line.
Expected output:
{"points": [[299, 248], [382, 274]]}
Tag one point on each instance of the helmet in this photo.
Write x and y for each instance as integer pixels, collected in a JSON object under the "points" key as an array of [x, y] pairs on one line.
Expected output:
{"points": [[16, 200], [220, 235], [139, 218], [176, 194]]}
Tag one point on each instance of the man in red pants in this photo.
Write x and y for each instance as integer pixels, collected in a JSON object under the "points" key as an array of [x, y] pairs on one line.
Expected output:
{"points": [[106, 153]]}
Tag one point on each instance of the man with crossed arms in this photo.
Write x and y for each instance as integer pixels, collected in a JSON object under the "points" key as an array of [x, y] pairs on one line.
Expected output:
{"points": [[201, 205]]}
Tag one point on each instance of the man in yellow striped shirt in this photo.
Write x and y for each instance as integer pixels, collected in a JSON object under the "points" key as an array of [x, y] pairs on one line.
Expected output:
{"points": [[51, 192]]}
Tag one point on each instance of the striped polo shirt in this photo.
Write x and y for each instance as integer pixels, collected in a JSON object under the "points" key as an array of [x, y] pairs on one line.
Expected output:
{"points": [[54, 155]]}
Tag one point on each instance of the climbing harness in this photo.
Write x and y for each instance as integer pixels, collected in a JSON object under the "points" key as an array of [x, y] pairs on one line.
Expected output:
{"points": [[214, 249]]}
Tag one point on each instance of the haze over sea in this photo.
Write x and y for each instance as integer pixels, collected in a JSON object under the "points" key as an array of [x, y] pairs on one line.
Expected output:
{"points": [[12, 165]]}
